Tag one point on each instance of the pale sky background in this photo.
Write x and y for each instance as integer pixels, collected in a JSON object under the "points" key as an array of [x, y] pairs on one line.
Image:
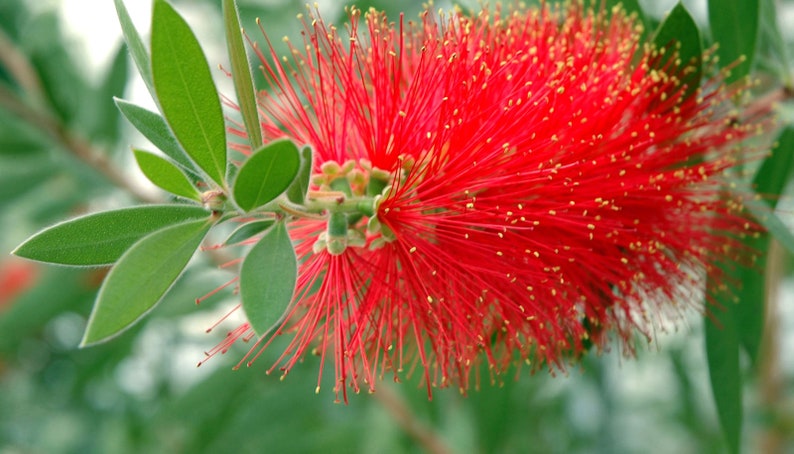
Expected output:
{"points": [[100, 32]]}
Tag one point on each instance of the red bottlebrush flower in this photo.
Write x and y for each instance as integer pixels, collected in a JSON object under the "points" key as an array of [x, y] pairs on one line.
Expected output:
{"points": [[544, 183]]}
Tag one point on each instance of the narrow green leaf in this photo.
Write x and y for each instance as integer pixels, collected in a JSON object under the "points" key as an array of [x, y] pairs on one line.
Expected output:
{"points": [[266, 174], [769, 182], [267, 279], [104, 119], [722, 353], [142, 277], [776, 169], [186, 91], [771, 40], [679, 35], [299, 188], [630, 6], [241, 74], [166, 175], [751, 294], [734, 26], [21, 176], [723, 341], [101, 238], [19, 139], [154, 128], [62, 81], [137, 49], [248, 230]]}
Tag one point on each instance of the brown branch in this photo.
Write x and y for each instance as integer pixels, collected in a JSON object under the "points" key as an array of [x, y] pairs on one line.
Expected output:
{"points": [[26, 77], [18, 66], [772, 438], [426, 438]]}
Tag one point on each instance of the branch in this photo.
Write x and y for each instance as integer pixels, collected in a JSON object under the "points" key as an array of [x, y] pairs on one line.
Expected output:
{"points": [[26, 77], [18, 66], [772, 437], [425, 437]]}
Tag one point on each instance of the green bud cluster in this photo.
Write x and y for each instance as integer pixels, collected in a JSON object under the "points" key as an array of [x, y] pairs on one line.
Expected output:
{"points": [[356, 190]]}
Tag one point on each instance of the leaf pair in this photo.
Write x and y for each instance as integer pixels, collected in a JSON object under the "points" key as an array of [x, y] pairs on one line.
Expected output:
{"points": [[179, 77], [151, 245]]}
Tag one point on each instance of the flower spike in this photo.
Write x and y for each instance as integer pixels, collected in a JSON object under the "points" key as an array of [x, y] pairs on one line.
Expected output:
{"points": [[539, 181]]}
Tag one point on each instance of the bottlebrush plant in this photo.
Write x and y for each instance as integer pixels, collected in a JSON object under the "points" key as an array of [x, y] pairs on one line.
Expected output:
{"points": [[456, 195]]}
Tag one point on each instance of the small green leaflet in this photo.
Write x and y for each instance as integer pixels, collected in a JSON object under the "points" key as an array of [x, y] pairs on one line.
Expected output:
{"points": [[241, 74], [248, 230], [266, 174], [299, 188], [186, 91], [142, 277], [679, 29], [166, 175], [154, 128], [734, 27], [267, 279], [101, 238], [137, 49]]}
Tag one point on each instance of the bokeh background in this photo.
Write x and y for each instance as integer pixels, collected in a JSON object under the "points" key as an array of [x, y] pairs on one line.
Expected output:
{"points": [[64, 150]]}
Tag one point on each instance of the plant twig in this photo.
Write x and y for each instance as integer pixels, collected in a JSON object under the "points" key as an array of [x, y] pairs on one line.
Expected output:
{"points": [[18, 66], [26, 77], [426, 438], [769, 373]]}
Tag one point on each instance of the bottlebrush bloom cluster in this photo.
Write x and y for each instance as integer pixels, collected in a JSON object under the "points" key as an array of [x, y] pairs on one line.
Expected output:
{"points": [[546, 181]]}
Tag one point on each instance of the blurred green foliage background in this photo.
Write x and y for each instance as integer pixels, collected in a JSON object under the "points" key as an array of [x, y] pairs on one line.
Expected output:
{"points": [[64, 151]]}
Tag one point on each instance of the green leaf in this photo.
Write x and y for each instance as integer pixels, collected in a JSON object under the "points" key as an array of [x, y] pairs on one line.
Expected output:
{"points": [[62, 83], [266, 174], [248, 230], [241, 74], [771, 222], [154, 128], [722, 353], [101, 238], [734, 26], [134, 43], [104, 120], [775, 171], [21, 176], [267, 279], [186, 91], [299, 188], [166, 175], [142, 277], [751, 295], [678, 32], [19, 139], [769, 182], [771, 40], [630, 6]]}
